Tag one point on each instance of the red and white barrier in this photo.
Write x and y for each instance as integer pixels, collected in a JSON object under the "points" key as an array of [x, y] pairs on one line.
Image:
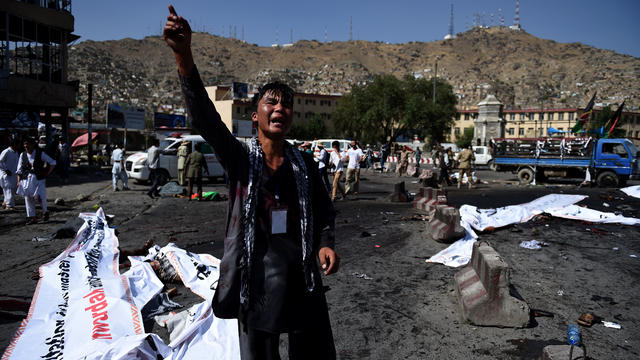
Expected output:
{"points": [[428, 198]]}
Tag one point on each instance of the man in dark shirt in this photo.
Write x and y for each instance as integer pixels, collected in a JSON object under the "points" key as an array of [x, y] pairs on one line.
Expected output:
{"points": [[279, 226]]}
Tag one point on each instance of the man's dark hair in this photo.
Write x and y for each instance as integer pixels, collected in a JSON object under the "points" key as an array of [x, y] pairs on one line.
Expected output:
{"points": [[278, 88], [335, 143], [198, 146], [155, 142]]}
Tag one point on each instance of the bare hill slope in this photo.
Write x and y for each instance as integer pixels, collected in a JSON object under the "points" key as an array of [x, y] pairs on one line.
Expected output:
{"points": [[523, 70]]}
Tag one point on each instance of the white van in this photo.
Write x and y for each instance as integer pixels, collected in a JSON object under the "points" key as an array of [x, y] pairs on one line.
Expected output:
{"points": [[344, 145], [136, 164]]}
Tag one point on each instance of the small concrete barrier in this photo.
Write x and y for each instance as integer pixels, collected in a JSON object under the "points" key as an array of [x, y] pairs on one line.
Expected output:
{"points": [[444, 224], [428, 198], [483, 291], [561, 352], [399, 193]]}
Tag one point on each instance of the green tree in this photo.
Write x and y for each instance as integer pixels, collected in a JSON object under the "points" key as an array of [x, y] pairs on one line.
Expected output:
{"points": [[466, 138], [601, 119], [314, 128], [388, 107]]}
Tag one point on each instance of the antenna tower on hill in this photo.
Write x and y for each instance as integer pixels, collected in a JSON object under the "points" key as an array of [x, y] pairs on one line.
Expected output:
{"points": [[516, 21], [500, 17], [325, 33], [451, 34], [350, 28]]}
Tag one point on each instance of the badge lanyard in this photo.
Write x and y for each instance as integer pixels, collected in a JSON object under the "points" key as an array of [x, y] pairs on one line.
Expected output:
{"points": [[278, 213]]}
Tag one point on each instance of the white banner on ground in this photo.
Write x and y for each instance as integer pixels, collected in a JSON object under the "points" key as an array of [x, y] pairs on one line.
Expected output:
{"points": [[632, 191], [81, 304]]}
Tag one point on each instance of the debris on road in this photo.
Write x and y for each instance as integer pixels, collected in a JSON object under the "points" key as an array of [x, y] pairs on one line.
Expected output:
{"points": [[362, 276], [533, 244], [610, 324]]}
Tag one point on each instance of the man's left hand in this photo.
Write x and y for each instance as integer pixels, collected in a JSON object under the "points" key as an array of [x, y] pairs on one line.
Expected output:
{"points": [[329, 260]]}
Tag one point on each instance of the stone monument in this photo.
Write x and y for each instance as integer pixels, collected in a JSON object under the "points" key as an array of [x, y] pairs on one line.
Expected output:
{"points": [[490, 122]]}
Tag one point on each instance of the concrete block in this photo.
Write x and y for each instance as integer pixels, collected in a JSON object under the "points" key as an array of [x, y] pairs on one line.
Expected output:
{"points": [[444, 224], [399, 193], [428, 198], [483, 294], [561, 352]]}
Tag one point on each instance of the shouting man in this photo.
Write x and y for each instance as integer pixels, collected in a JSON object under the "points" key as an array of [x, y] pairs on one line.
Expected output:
{"points": [[279, 225]]}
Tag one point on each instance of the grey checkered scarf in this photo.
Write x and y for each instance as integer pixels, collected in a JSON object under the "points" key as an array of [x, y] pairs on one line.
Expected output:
{"points": [[256, 163]]}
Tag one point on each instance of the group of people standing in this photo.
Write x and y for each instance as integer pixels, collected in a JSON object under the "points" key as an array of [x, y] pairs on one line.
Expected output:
{"points": [[446, 161], [338, 158], [24, 173]]}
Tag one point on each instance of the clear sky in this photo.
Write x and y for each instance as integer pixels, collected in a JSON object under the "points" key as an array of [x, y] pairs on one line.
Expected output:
{"points": [[610, 24]]}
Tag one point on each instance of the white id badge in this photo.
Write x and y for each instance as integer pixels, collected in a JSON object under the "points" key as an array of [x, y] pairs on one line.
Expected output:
{"points": [[278, 220]]}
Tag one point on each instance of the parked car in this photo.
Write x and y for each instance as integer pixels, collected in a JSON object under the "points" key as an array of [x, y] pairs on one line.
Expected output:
{"points": [[136, 164]]}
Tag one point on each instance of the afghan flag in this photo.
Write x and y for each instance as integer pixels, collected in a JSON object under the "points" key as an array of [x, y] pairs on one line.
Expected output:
{"points": [[616, 116], [585, 114]]}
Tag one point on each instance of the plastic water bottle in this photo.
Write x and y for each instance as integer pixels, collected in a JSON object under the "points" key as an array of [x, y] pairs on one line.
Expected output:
{"points": [[573, 335]]}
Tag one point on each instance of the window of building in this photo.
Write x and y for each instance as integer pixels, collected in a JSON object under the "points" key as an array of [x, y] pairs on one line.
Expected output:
{"points": [[637, 133], [522, 117], [541, 116], [630, 133], [520, 131], [571, 115], [298, 101], [561, 116], [237, 110], [458, 116], [512, 117], [551, 116], [530, 131], [33, 50], [466, 116], [511, 131], [456, 131]]}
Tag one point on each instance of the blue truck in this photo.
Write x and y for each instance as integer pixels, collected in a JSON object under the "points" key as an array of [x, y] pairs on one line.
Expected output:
{"points": [[611, 162]]}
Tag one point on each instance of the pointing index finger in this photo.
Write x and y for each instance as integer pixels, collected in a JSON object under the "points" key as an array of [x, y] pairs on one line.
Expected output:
{"points": [[172, 10]]}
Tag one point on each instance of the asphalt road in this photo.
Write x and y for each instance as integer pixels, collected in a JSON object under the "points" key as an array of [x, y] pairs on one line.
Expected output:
{"points": [[404, 307]]}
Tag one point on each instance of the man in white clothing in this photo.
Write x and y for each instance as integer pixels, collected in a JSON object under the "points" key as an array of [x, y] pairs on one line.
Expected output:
{"points": [[118, 172], [8, 177], [323, 163], [336, 160], [353, 168], [34, 165], [153, 159]]}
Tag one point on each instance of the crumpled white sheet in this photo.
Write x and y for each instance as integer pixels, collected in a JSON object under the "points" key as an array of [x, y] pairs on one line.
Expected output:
{"points": [[559, 205], [632, 191]]}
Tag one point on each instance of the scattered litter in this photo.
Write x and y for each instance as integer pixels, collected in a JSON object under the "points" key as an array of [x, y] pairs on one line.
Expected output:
{"points": [[363, 276], [541, 313], [633, 256], [546, 225], [365, 234], [377, 246], [616, 249], [611, 324], [605, 205], [414, 182], [560, 292], [533, 244], [586, 319]]}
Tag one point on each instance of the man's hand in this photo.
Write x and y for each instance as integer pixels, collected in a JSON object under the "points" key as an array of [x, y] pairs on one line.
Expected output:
{"points": [[329, 260], [177, 34]]}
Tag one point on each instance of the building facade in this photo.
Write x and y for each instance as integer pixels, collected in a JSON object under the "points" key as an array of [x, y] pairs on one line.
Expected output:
{"points": [[236, 112], [527, 123], [33, 64]]}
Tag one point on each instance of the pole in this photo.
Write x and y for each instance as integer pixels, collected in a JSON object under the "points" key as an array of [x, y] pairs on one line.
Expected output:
{"points": [[435, 75], [89, 121]]}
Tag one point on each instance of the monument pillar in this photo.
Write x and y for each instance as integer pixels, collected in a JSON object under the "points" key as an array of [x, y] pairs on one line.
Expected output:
{"points": [[490, 122]]}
